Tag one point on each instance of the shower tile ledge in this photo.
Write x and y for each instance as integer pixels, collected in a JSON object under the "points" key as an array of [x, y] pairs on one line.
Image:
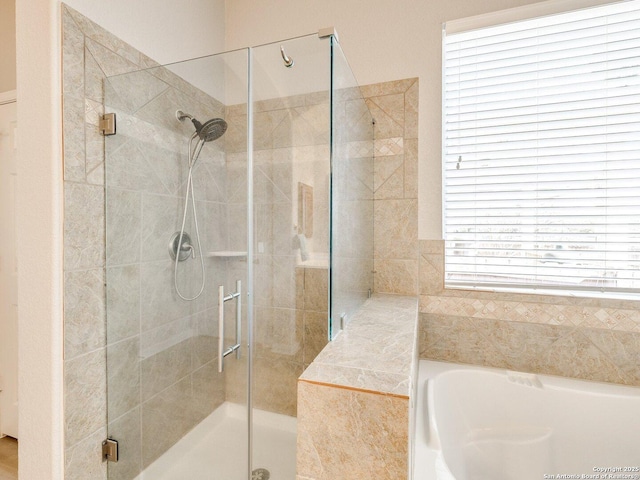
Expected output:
{"points": [[376, 352]]}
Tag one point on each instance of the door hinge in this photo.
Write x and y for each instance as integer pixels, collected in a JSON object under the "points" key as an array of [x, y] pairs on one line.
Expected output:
{"points": [[110, 450], [107, 124]]}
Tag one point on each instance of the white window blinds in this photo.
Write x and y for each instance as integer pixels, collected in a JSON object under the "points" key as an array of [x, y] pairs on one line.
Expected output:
{"points": [[541, 150]]}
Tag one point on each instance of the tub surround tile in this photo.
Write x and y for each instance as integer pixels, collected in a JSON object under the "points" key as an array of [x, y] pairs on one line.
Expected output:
{"points": [[379, 339], [368, 438], [361, 379], [525, 308], [369, 369], [585, 353]]}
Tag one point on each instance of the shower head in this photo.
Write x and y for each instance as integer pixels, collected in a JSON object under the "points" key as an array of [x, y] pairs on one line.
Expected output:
{"points": [[207, 131], [211, 129]]}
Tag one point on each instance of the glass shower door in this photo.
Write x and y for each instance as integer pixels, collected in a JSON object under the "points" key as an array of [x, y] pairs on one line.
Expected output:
{"points": [[291, 180], [174, 414], [352, 159]]}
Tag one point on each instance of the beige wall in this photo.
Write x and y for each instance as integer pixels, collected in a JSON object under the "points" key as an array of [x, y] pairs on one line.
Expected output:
{"points": [[7, 45], [165, 30], [383, 40]]}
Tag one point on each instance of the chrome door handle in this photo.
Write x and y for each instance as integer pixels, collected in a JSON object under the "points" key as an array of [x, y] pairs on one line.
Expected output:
{"points": [[221, 300]]}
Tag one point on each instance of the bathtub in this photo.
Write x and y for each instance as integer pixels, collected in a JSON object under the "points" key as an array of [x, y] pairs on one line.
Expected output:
{"points": [[475, 423]]}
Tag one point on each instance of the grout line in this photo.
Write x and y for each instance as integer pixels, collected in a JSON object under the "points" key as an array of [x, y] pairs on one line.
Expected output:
{"points": [[353, 389]]}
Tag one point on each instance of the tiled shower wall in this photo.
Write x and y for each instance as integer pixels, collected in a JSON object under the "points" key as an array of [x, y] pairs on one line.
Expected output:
{"points": [[162, 378], [291, 139], [394, 107], [160, 349], [583, 338]]}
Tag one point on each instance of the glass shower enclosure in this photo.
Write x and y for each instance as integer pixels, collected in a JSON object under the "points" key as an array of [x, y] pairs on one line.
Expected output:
{"points": [[239, 240]]}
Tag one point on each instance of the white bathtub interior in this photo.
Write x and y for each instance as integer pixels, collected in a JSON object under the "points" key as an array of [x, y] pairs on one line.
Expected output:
{"points": [[477, 423], [206, 452]]}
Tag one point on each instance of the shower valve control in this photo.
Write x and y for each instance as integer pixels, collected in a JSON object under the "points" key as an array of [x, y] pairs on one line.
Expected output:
{"points": [[185, 249]]}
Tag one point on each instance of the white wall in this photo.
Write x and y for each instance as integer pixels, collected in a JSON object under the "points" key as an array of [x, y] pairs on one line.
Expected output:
{"points": [[7, 45], [39, 236], [165, 30], [383, 40]]}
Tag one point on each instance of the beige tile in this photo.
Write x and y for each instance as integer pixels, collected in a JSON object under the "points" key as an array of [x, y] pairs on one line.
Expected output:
{"points": [[279, 332], [108, 61], [165, 368], [126, 430], [83, 460], [165, 420], [388, 147], [123, 370], [316, 334], [207, 390], [99, 34], [72, 56], [123, 302], [389, 116], [74, 141], [389, 177], [85, 396], [396, 229], [574, 355], [431, 274], [83, 226], [316, 289], [622, 349], [456, 339], [369, 424], [396, 276], [94, 147], [411, 111], [275, 383], [387, 88], [411, 168], [84, 312]]}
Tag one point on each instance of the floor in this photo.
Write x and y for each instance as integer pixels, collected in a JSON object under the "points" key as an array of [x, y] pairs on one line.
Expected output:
{"points": [[216, 448], [8, 458]]}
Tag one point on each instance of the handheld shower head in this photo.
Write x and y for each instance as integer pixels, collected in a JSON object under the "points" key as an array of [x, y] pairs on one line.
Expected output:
{"points": [[207, 131]]}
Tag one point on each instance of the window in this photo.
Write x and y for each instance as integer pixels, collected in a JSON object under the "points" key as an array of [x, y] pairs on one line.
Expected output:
{"points": [[541, 153]]}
